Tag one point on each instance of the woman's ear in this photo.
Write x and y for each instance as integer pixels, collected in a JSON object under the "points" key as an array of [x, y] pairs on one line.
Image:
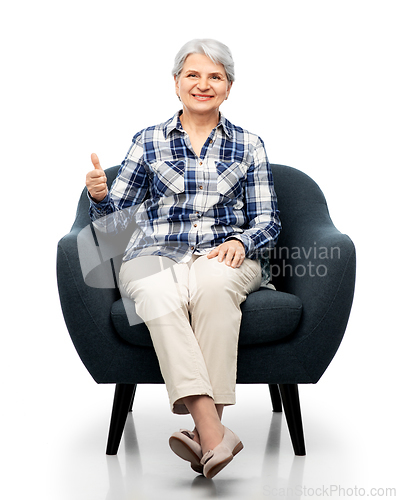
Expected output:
{"points": [[228, 90], [176, 85]]}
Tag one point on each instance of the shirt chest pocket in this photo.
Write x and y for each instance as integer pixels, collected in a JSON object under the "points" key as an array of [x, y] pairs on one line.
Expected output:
{"points": [[231, 178], [168, 177]]}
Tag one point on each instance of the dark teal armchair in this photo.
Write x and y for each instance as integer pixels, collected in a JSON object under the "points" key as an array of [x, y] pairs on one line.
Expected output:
{"points": [[288, 337]]}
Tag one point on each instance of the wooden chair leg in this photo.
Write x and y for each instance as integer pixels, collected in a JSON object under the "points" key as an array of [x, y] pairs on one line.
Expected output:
{"points": [[122, 400], [275, 397], [292, 410]]}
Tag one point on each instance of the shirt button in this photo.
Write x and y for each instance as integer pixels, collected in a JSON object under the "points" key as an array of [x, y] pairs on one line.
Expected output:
{"points": [[194, 225], [200, 163], [211, 141], [201, 187], [191, 248]]}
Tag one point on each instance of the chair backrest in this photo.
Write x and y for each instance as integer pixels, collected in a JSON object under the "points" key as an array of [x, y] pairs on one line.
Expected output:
{"points": [[304, 218], [300, 200]]}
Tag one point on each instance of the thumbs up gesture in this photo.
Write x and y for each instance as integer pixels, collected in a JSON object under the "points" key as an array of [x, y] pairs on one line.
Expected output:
{"points": [[96, 181]]}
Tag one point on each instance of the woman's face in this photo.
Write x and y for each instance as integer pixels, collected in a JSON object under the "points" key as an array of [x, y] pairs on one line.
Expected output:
{"points": [[202, 85]]}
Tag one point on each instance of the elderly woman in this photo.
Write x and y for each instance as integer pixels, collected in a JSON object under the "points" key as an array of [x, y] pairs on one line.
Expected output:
{"points": [[201, 193]]}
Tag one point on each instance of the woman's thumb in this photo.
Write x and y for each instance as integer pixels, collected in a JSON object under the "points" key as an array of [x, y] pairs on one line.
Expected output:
{"points": [[95, 162]]}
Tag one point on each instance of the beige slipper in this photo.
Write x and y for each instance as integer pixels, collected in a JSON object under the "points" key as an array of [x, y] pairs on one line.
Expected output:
{"points": [[215, 460], [182, 444]]}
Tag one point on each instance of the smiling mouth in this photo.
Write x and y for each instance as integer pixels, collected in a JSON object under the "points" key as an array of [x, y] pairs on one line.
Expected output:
{"points": [[202, 97]]}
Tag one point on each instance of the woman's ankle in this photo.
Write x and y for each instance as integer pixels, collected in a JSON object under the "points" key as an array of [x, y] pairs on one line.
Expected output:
{"points": [[211, 437], [196, 435]]}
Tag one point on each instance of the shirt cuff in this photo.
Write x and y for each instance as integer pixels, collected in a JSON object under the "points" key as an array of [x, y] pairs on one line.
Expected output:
{"points": [[100, 207]]}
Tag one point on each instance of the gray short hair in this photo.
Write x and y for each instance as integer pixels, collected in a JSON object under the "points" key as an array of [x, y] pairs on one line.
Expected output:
{"points": [[218, 52]]}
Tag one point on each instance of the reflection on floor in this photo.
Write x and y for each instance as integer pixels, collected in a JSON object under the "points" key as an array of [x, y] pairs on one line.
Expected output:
{"points": [[338, 460], [268, 482]]}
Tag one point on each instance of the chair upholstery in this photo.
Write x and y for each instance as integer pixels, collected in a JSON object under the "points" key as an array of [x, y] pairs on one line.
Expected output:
{"points": [[279, 311], [287, 336]]}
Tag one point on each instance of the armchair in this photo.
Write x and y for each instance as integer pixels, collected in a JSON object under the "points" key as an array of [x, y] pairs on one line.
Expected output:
{"points": [[288, 336]]}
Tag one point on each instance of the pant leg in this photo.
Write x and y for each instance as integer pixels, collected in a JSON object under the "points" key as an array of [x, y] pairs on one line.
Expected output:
{"points": [[161, 300], [216, 293]]}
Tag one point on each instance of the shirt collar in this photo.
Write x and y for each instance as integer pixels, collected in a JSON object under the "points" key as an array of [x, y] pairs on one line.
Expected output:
{"points": [[174, 123]]}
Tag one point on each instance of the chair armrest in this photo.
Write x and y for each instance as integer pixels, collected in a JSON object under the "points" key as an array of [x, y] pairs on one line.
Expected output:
{"points": [[86, 309], [318, 266]]}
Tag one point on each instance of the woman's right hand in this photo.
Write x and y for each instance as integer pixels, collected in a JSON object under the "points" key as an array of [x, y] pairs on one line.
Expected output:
{"points": [[96, 181]]}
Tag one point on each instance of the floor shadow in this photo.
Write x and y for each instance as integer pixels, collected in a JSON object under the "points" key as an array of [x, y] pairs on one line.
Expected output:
{"points": [[281, 476], [278, 482], [121, 483]]}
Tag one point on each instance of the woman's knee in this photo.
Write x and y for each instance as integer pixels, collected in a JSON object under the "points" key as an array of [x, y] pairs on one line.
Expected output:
{"points": [[213, 279], [210, 281]]}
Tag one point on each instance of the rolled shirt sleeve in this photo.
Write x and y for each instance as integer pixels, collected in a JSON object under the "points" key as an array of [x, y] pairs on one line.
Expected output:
{"points": [[127, 192], [260, 205]]}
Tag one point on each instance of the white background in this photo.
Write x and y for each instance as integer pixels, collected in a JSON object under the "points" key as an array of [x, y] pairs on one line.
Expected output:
{"points": [[315, 79]]}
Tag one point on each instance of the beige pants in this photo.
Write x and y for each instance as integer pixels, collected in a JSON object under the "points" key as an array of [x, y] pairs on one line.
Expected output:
{"points": [[192, 311]]}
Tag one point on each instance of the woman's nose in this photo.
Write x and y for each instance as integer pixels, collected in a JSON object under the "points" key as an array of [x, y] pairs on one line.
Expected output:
{"points": [[203, 84]]}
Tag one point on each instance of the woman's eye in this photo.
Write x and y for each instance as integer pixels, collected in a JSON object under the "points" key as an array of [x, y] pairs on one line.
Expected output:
{"points": [[192, 75]]}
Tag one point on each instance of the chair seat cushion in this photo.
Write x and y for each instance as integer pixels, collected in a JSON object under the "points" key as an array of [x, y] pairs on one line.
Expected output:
{"points": [[268, 315]]}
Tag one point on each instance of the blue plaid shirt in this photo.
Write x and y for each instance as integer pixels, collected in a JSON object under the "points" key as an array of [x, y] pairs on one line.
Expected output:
{"points": [[182, 204]]}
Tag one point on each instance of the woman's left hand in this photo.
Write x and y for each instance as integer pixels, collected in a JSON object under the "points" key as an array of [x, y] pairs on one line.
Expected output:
{"points": [[232, 251]]}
